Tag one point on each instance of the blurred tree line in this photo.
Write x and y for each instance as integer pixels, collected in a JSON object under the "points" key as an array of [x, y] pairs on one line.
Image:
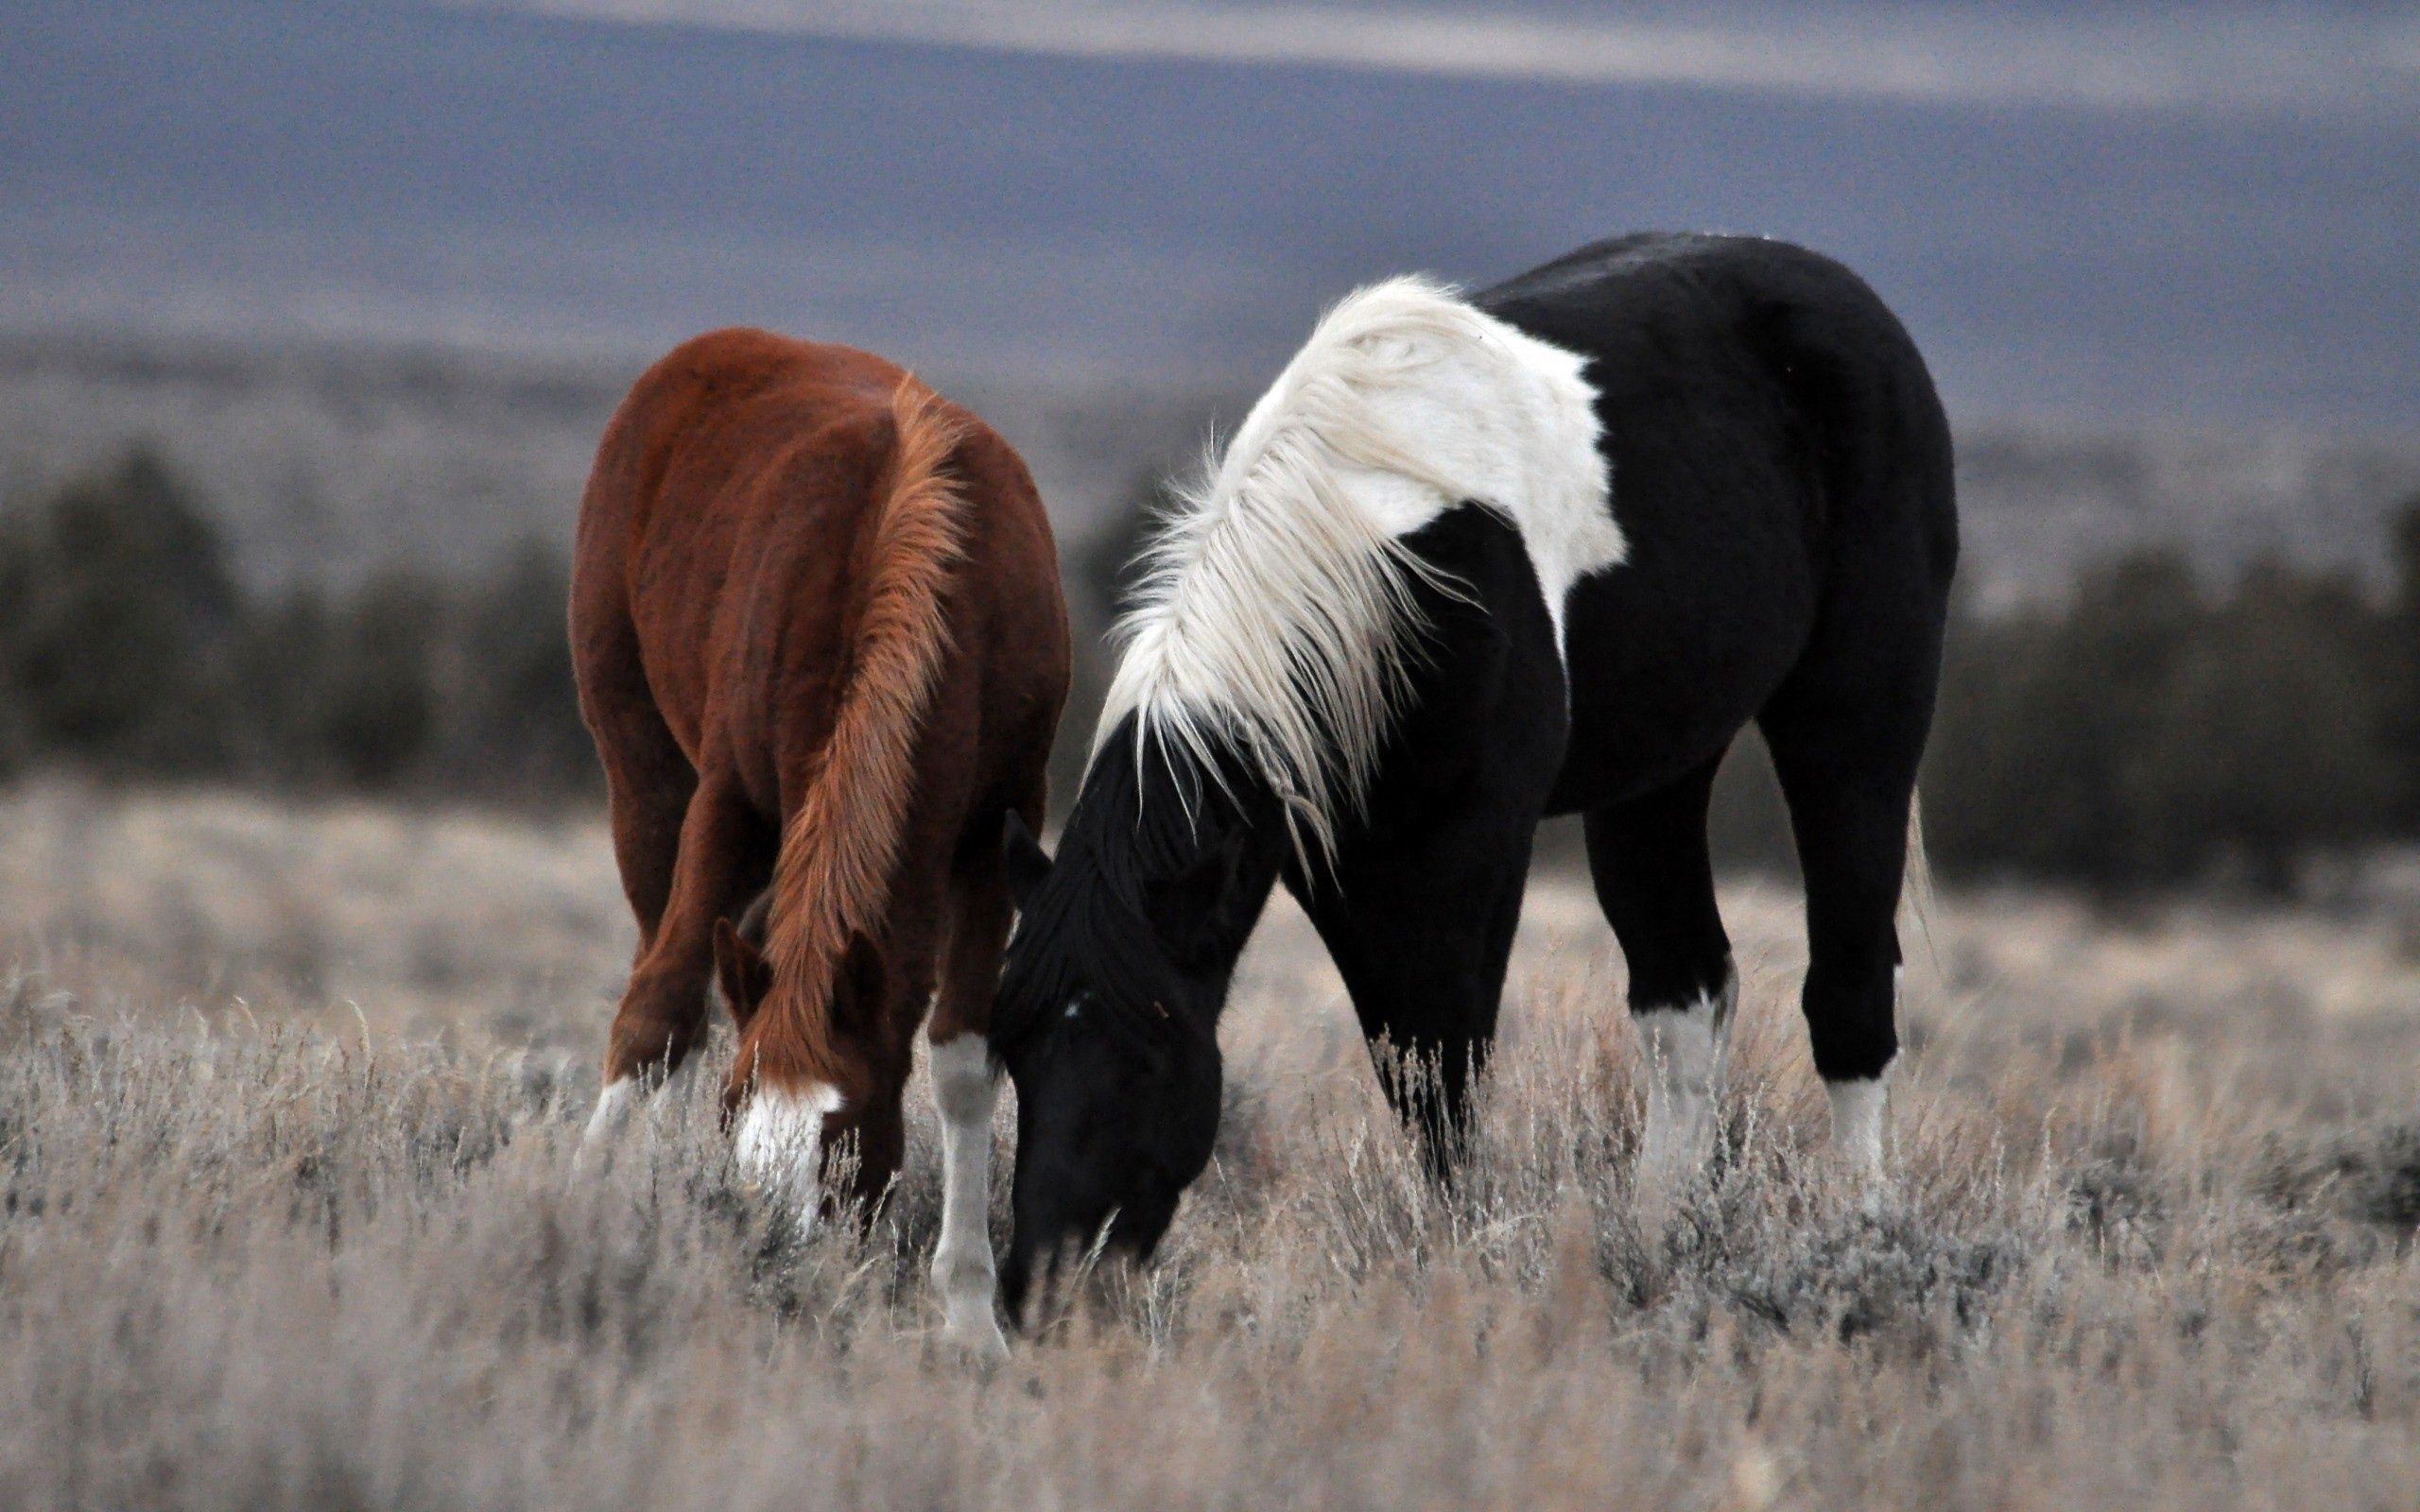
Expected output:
{"points": [[129, 648], [2151, 729]]}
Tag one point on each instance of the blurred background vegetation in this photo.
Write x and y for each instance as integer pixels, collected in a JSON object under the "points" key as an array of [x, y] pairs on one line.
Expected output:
{"points": [[2151, 728], [131, 649]]}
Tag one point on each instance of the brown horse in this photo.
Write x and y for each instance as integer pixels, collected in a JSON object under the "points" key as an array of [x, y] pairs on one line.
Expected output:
{"points": [[820, 641]]}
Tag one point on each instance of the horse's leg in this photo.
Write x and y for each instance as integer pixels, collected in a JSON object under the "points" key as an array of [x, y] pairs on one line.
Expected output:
{"points": [[1655, 882], [965, 1090], [648, 783], [648, 777], [1421, 928], [722, 856], [1848, 769]]}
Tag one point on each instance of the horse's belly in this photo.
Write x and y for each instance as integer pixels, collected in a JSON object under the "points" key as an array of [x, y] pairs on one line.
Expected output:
{"points": [[1663, 678]]}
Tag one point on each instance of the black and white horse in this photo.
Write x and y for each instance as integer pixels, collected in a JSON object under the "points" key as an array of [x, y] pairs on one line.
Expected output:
{"points": [[1469, 562]]}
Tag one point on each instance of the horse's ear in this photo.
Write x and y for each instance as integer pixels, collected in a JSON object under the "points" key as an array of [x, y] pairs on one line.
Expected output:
{"points": [[742, 971], [1027, 862]]}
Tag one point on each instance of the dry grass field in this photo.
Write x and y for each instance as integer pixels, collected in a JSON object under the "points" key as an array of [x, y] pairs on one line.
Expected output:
{"points": [[288, 1218]]}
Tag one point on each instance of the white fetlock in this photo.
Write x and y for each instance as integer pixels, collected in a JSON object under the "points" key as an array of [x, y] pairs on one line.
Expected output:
{"points": [[1683, 1050], [1860, 1112], [969, 1327], [615, 1107]]}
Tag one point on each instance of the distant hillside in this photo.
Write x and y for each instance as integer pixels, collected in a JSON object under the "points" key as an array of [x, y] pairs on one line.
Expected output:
{"points": [[401, 171], [326, 461], [2037, 504]]}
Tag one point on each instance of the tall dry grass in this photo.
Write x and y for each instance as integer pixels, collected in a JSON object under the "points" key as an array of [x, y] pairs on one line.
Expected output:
{"points": [[2151, 1240]]}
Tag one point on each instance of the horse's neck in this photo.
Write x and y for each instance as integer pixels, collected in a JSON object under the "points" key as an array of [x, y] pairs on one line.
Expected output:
{"points": [[1238, 913], [1214, 850]]}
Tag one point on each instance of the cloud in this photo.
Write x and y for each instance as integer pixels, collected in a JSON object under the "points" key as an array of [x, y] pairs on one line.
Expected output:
{"points": [[2111, 56]]}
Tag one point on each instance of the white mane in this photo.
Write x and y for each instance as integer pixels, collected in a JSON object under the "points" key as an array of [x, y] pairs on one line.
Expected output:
{"points": [[1276, 606]]}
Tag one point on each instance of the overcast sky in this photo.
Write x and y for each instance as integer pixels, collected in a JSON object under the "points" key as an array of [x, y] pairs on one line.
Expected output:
{"points": [[2314, 56], [2113, 210]]}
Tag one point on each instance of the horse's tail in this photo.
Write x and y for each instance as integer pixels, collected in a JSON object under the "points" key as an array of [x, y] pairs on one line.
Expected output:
{"points": [[1915, 891], [840, 847]]}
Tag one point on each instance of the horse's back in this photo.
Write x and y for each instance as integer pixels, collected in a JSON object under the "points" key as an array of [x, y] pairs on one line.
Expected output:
{"points": [[1774, 438], [712, 414], [1780, 355], [692, 476], [720, 538]]}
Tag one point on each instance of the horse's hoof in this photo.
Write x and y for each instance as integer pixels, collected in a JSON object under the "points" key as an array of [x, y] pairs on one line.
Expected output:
{"points": [[979, 1343]]}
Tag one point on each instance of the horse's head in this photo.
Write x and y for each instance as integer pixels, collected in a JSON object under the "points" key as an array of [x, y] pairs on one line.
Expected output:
{"points": [[804, 1086], [1107, 1022]]}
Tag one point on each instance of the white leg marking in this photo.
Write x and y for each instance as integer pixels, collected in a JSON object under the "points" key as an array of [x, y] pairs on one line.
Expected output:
{"points": [[780, 1143], [1685, 1050], [965, 1092], [614, 1105], [1858, 1114]]}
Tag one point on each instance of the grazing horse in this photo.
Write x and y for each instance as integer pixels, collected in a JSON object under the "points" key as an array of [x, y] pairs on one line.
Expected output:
{"points": [[1468, 564], [817, 625]]}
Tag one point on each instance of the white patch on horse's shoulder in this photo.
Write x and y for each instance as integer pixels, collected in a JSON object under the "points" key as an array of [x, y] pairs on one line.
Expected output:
{"points": [[1684, 1048], [1276, 604], [1860, 1106], [779, 1144]]}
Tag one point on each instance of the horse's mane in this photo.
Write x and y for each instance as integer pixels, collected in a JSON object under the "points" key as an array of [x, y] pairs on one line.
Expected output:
{"points": [[841, 844], [1274, 611]]}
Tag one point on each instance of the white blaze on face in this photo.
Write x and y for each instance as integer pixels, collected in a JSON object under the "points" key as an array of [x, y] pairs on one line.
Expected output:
{"points": [[778, 1145], [965, 1092], [1683, 1047]]}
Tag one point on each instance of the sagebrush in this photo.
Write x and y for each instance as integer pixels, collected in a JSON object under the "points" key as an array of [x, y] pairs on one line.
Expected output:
{"points": [[2151, 1242]]}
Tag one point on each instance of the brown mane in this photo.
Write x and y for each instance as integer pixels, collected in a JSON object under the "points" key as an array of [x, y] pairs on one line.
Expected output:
{"points": [[842, 844]]}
